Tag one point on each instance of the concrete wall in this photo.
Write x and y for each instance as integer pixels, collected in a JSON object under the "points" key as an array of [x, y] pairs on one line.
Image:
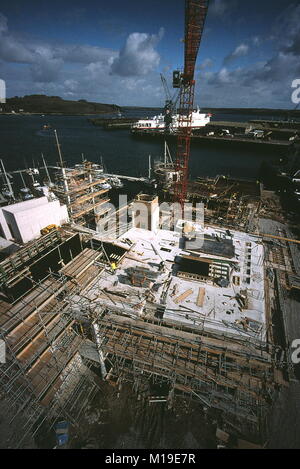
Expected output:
{"points": [[14, 232], [7, 248], [26, 219], [145, 212], [4, 232]]}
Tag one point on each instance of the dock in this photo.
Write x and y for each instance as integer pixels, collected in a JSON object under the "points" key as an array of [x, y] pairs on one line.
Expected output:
{"points": [[128, 178], [114, 124], [217, 140]]}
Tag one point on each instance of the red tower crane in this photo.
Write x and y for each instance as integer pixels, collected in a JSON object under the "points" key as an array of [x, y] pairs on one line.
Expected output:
{"points": [[195, 15]]}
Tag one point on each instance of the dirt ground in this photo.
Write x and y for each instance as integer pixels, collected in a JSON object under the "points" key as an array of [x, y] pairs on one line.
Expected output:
{"points": [[120, 420], [11, 428]]}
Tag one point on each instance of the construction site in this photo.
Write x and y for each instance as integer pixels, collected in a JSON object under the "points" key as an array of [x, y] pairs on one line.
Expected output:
{"points": [[184, 316], [147, 327]]}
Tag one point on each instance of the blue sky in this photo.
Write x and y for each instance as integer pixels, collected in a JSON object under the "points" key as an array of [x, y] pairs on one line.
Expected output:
{"points": [[114, 51]]}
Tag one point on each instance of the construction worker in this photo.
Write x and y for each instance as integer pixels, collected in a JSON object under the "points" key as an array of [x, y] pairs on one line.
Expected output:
{"points": [[113, 266]]}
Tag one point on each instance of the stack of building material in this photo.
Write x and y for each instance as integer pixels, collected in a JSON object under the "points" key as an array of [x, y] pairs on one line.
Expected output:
{"points": [[183, 296], [201, 297], [141, 277]]}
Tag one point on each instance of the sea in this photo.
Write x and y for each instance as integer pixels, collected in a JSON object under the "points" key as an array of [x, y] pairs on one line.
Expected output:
{"points": [[22, 142]]}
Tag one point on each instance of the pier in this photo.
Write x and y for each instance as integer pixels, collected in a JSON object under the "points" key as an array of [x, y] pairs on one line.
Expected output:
{"points": [[258, 142], [128, 178], [276, 136], [114, 124]]}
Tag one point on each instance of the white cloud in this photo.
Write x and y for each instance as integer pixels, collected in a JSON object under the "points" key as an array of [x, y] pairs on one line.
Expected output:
{"points": [[239, 51], [71, 84], [260, 84], [45, 67], [242, 49], [218, 7], [3, 24], [82, 71], [207, 63], [224, 76], [85, 71], [138, 56], [47, 60], [221, 8], [85, 54]]}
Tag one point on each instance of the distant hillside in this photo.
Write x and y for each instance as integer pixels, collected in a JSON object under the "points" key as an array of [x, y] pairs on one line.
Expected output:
{"points": [[230, 110], [42, 104], [130, 108], [256, 111]]}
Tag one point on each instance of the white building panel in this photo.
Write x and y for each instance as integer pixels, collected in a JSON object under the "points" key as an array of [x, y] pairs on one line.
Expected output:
{"points": [[24, 221]]}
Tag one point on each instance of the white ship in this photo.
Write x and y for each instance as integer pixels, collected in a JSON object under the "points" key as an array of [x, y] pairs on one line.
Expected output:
{"points": [[158, 123]]}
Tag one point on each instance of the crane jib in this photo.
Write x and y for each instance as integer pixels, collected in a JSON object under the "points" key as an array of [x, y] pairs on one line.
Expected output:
{"points": [[195, 15]]}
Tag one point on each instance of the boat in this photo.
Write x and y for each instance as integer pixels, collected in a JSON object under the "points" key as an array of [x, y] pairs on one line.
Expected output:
{"points": [[46, 127], [115, 182], [105, 185], [7, 193], [97, 170], [32, 171], [26, 194], [34, 183], [7, 190], [158, 123]]}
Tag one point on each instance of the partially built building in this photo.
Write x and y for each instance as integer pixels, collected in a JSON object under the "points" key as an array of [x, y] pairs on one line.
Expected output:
{"points": [[191, 313]]}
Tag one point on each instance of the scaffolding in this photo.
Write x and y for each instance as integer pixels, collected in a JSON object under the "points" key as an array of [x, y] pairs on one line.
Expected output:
{"points": [[223, 373], [47, 376], [44, 375], [17, 261], [83, 190], [228, 202]]}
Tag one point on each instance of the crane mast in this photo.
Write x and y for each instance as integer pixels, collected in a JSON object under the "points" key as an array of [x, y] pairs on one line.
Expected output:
{"points": [[170, 105], [166, 88], [195, 15]]}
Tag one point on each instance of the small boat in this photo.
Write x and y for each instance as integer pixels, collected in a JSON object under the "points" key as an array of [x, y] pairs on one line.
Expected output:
{"points": [[32, 171], [25, 190], [28, 196], [106, 185], [7, 193], [97, 169], [116, 183]]}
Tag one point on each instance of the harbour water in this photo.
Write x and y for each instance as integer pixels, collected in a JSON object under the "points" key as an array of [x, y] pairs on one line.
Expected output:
{"points": [[23, 140]]}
